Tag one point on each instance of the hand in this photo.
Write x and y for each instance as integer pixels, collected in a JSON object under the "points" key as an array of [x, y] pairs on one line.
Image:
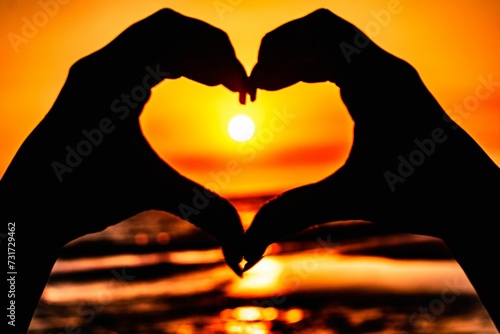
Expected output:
{"points": [[410, 169], [87, 165], [315, 48]]}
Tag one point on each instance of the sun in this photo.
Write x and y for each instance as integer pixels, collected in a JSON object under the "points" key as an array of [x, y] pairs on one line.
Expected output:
{"points": [[241, 128]]}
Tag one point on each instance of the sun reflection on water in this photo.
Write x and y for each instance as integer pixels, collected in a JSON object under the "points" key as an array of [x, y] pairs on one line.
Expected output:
{"points": [[261, 280], [257, 320], [247, 328]]}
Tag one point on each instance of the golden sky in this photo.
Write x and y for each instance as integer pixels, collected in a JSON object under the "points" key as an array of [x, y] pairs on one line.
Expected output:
{"points": [[303, 133]]}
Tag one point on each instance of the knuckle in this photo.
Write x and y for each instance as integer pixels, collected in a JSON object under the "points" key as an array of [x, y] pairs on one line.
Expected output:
{"points": [[267, 42], [81, 66], [323, 12], [222, 38], [164, 13]]}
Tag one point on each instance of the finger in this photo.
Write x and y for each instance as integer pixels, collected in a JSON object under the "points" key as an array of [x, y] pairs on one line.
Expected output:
{"points": [[276, 64], [189, 48], [253, 93], [243, 98], [315, 48], [234, 77], [336, 198], [251, 89], [288, 55], [226, 68], [272, 76], [208, 57]]}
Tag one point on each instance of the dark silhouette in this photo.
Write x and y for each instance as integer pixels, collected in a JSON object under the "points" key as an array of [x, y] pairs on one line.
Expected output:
{"points": [[411, 168], [87, 165]]}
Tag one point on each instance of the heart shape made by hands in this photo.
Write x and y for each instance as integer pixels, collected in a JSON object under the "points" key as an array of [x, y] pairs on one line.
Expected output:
{"points": [[88, 158]]}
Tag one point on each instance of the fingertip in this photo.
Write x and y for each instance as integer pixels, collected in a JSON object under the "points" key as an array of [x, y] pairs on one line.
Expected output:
{"points": [[253, 94], [252, 89], [246, 267], [243, 98], [237, 270], [253, 253]]}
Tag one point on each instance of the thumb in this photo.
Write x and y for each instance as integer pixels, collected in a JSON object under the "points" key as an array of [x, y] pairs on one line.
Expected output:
{"points": [[218, 217], [169, 191], [335, 198]]}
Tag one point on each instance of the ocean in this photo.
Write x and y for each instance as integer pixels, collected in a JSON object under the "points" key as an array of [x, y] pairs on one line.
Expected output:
{"points": [[156, 274]]}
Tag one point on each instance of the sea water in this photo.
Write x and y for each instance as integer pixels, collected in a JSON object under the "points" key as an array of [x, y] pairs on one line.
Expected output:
{"points": [[155, 273]]}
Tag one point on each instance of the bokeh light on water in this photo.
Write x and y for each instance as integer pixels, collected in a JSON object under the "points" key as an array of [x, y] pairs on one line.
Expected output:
{"points": [[257, 320]]}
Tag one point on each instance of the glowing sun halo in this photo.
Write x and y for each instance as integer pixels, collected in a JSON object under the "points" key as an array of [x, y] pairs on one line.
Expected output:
{"points": [[241, 128]]}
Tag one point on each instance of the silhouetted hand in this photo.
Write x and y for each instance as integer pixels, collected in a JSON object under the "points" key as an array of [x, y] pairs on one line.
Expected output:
{"points": [[410, 169], [87, 165]]}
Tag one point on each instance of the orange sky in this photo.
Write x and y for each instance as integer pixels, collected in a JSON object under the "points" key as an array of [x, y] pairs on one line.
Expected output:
{"points": [[452, 45]]}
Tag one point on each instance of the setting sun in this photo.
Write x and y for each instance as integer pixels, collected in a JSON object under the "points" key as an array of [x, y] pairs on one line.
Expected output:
{"points": [[241, 128]]}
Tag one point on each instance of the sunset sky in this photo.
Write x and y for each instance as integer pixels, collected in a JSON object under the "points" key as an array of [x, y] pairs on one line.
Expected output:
{"points": [[303, 133]]}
